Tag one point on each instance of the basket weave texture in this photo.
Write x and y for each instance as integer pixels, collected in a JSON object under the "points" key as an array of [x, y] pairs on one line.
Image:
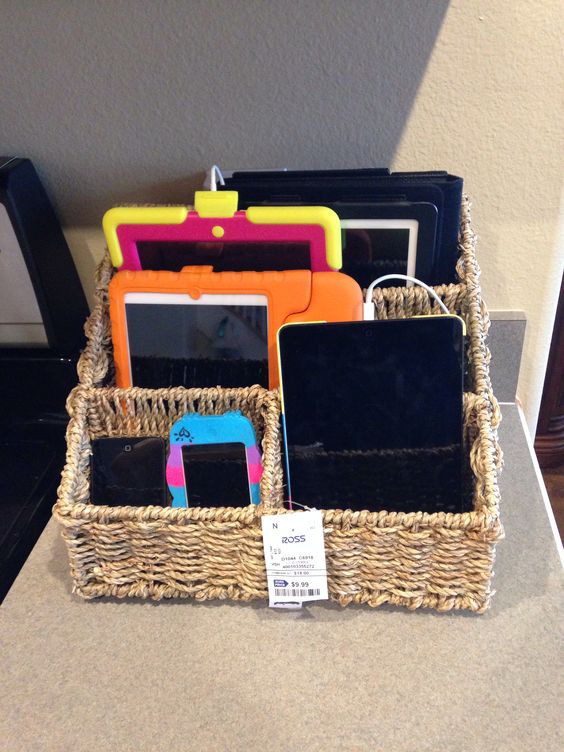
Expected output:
{"points": [[441, 560]]}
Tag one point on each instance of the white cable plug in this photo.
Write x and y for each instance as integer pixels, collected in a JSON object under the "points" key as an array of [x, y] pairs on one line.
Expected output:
{"points": [[213, 174], [369, 308]]}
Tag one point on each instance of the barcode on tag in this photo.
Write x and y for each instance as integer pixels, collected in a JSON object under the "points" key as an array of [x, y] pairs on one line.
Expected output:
{"points": [[294, 553], [297, 592]]}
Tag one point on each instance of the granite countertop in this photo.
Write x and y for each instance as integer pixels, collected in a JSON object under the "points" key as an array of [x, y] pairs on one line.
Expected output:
{"points": [[134, 675]]}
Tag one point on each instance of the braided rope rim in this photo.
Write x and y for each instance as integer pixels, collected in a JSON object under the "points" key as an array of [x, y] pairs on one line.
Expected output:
{"points": [[144, 412]]}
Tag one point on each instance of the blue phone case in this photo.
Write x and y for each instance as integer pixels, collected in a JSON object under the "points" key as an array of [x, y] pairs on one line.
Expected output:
{"points": [[196, 429]]}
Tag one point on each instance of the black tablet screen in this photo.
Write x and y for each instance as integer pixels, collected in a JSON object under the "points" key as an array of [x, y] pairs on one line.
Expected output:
{"points": [[128, 471], [224, 257], [216, 475], [197, 345], [372, 252], [373, 414]]}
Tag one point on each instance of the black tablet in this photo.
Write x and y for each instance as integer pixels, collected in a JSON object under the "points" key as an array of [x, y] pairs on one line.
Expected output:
{"points": [[378, 186], [373, 414]]}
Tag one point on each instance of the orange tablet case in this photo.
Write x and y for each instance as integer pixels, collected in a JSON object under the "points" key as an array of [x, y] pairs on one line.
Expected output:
{"points": [[292, 296]]}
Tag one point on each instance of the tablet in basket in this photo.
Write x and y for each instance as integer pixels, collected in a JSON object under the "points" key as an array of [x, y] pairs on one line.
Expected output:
{"points": [[373, 414], [200, 328]]}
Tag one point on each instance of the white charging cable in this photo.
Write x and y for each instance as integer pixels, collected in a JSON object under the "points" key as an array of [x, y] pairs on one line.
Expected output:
{"points": [[369, 307], [214, 174]]}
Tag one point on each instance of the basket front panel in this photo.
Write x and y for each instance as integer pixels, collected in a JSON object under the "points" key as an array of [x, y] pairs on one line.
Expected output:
{"points": [[208, 559], [158, 559]]}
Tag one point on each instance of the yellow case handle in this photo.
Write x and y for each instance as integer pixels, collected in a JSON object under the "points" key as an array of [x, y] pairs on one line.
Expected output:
{"points": [[137, 215], [221, 205], [304, 215], [212, 204]]}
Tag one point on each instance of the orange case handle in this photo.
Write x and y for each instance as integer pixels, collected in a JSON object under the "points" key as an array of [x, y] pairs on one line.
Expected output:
{"points": [[297, 295]]}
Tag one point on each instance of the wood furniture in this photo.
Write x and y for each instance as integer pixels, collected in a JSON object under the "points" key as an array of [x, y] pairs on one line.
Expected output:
{"points": [[549, 441]]}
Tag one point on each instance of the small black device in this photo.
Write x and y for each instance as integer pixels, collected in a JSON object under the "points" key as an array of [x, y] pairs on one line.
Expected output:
{"points": [[339, 189], [377, 424], [128, 471], [216, 475]]}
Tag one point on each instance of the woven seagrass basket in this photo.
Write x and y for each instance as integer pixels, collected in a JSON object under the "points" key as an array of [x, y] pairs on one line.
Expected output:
{"points": [[439, 560]]}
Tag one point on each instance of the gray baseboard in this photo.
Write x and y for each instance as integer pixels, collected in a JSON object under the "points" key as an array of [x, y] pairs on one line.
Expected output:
{"points": [[505, 340]]}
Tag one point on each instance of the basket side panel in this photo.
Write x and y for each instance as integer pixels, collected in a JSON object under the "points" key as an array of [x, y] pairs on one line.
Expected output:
{"points": [[476, 312], [95, 365]]}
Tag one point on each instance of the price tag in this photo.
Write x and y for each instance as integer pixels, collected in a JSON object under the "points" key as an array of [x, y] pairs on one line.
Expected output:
{"points": [[294, 552]]}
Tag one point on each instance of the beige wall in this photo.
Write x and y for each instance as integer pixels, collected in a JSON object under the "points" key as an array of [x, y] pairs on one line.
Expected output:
{"points": [[490, 107], [129, 101]]}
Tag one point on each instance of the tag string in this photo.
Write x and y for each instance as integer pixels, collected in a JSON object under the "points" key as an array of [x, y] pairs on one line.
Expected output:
{"points": [[302, 506]]}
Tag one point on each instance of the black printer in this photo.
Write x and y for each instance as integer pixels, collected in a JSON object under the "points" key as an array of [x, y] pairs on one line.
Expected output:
{"points": [[42, 313]]}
